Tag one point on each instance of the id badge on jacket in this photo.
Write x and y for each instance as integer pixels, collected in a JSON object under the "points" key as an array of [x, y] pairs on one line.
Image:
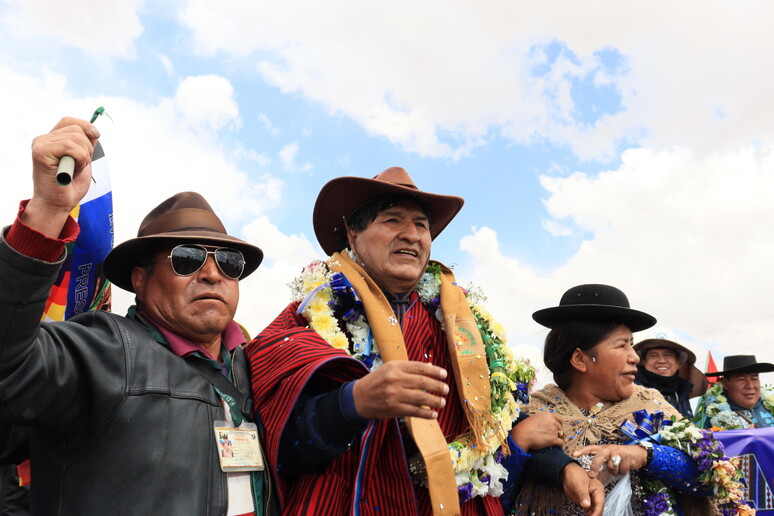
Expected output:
{"points": [[239, 448]]}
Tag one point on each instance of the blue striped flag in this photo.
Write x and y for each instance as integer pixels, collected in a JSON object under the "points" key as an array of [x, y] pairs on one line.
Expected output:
{"points": [[82, 285]]}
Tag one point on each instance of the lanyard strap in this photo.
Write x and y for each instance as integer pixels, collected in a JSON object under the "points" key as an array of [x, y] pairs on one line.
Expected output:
{"points": [[210, 370]]}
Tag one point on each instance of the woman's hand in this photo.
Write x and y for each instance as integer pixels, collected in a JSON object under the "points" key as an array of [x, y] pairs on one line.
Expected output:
{"points": [[538, 431], [619, 459]]}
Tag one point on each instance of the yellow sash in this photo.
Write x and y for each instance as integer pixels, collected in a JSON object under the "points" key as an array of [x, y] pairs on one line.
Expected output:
{"points": [[468, 358]]}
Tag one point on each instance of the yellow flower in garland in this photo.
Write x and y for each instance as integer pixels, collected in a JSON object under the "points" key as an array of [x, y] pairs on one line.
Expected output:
{"points": [[476, 468], [317, 310]]}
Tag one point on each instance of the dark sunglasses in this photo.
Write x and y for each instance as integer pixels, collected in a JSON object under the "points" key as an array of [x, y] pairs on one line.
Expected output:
{"points": [[186, 259]]}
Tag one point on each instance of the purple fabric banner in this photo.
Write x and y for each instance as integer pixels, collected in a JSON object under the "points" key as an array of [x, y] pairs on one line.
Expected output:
{"points": [[755, 448]]}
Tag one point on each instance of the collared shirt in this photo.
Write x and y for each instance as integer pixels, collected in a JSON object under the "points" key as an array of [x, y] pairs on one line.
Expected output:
{"points": [[232, 337], [401, 304]]}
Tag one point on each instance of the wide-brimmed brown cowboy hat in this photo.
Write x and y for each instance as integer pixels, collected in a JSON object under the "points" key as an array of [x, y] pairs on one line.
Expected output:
{"points": [[185, 217], [343, 196], [686, 360], [684, 355], [594, 302], [742, 364]]}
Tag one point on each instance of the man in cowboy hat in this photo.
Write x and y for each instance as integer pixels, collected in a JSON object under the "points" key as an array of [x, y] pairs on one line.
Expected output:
{"points": [[669, 368], [124, 411], [742, 389], [369, 433]]}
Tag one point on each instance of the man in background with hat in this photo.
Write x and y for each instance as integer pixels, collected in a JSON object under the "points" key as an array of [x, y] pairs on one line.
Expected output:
{"points": [[379, 363], [742, 390], [669, 368], [124, 411]]}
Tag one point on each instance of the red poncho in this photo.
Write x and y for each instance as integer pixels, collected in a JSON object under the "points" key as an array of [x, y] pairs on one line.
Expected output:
{"points": [[372, 478]]}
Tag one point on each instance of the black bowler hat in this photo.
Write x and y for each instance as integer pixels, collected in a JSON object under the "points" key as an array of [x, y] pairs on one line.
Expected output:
{"points": [[741, 364], [594, 302]]}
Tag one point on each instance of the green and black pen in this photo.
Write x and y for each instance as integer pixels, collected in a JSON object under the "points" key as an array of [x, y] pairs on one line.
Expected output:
{"points": [[66, 168]]}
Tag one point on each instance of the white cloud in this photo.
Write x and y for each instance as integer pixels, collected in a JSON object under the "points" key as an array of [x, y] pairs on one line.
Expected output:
{"points": [[97, 27], [251, 155], [166, 62], [556, 228], [687, 237], [437, 93], [207, 102], [287, 157], [152, 151], [267, 123], [266, 292]]}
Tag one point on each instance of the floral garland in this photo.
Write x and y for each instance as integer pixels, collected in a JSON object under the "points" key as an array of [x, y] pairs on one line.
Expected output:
{"points": [[715, 470], [478, 469], [716, 408]]}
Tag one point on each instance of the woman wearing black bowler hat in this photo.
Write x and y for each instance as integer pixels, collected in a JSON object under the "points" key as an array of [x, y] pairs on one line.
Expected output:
{"points": [[589, 351]]}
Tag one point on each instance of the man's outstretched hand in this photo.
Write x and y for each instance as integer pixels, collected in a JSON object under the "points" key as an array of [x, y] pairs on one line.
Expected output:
{"points": [[401, 388]]}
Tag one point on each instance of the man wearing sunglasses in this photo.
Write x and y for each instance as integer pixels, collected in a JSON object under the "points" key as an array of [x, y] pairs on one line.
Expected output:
{"points": [[125, 413]]}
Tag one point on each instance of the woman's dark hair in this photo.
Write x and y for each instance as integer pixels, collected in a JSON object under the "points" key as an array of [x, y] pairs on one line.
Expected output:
{"points": [[564, 339]]}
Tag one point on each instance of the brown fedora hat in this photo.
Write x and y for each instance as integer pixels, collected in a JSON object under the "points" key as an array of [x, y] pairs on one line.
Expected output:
{"points": [[594, 302], [185, 217], [342, 196], [740, 364]]}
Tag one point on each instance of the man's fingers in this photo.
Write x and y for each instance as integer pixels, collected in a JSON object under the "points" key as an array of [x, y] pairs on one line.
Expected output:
{"points": [[421, 412], [69, 123], [48, 150], [425, 384], [556, 442], [597, 493], [401, 388], [425, 399], [422, 377], [586, 450], [578, 492], [423, 369]]}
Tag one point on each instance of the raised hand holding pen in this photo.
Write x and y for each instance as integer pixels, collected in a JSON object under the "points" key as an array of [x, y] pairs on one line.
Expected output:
{"points": [[50, 205], [66, 167]]}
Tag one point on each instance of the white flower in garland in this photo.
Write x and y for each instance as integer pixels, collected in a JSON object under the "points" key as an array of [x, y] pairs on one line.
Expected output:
{"points": [[715, 470], [767, 395], [477, 469]]}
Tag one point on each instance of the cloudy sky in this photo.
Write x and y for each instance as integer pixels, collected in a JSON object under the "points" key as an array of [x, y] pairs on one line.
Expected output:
{"points": [[627, 143]]}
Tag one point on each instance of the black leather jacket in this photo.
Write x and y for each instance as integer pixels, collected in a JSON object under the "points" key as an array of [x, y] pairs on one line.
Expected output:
{"points": [[120, 424]]}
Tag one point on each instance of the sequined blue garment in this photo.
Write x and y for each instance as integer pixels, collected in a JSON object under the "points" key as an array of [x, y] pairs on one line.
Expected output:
{"points": [[676, 470], [514, 463]]}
